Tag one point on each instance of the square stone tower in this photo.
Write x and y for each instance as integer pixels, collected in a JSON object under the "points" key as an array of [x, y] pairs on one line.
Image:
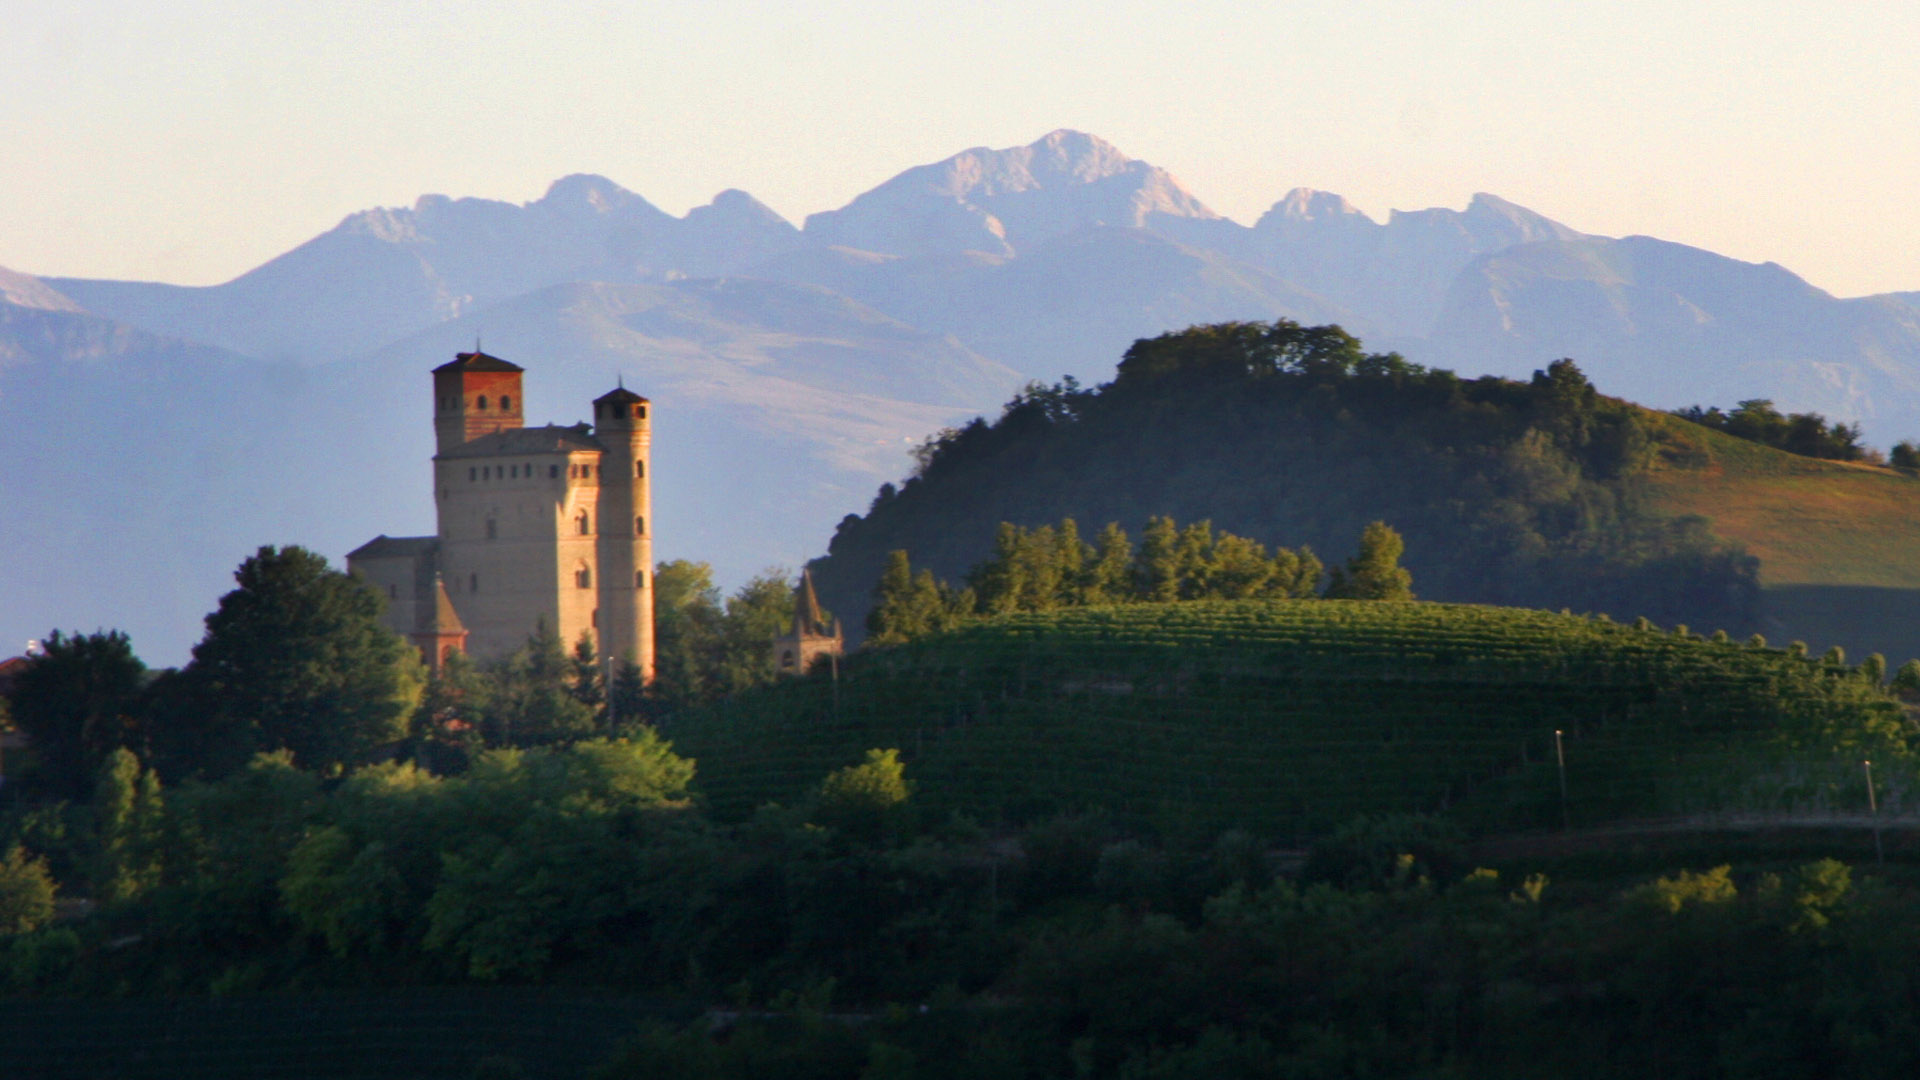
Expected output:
{"points": [[549, 524]]}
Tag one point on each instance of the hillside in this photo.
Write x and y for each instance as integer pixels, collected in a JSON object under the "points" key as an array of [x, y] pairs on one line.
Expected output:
{"points": [[1513, 493], [1289, 717], [1838, 543], [1541, 494]]}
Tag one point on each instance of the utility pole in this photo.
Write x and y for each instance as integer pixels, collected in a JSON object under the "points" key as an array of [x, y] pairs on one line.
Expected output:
{"points": [[1873, 807], [609, 695], [1560, 755]]}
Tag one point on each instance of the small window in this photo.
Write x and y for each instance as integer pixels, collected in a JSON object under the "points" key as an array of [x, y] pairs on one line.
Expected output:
{"points": [[472, 475], [639, 526], [639, 579], [506, 402], [473, 582], [483, 401], [599, 471], [553, 472], [493, 529], [585, 523], [596, 618], [639, 412], [583, 578], [639, 470]]}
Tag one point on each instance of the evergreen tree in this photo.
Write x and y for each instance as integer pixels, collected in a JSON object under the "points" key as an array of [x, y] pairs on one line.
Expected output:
{"points": [[534, 700], [26, 892], [587, 678], [1106, 575], [1374, 572], [128, 827], [1156, 565]]}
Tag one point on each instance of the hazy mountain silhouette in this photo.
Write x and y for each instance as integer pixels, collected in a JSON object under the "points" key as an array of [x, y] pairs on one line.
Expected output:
{"points": [[795, 367]]}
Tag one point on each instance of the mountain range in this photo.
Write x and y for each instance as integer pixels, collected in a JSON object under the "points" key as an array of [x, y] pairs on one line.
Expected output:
{"points": [[160, 432]]}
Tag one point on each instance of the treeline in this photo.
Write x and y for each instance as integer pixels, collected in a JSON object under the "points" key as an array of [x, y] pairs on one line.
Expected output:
{"points": [[853, 935], [1049, 567], [297, 659], [1522, 493], [1808, 434]]}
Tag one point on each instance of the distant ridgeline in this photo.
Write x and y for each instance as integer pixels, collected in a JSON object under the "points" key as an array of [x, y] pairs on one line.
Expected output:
{"points": [[1807, 434], [1506, 492]]}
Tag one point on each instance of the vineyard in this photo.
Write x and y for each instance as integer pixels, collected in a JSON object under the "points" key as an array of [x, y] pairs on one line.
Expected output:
{"points": [[1289, 717]]}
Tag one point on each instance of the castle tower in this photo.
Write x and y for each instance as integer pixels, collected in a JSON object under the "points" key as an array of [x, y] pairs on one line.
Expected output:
{"points": [[625, 548], [473, 395], [813, 636]]}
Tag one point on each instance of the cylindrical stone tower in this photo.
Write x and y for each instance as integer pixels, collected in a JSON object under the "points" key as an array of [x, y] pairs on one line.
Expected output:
{"points": [[625, 547]]}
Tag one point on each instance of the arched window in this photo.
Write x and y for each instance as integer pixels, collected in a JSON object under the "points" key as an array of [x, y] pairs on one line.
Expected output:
{"points": [[506, 402], [483, 401], [639, 470], [583, 577], [639, 412], [585, 523], [639, 579], [639, 526]]}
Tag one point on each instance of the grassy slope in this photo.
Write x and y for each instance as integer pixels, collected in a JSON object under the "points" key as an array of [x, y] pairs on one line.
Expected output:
{"points": [[1839, 544], [1288, 717]]}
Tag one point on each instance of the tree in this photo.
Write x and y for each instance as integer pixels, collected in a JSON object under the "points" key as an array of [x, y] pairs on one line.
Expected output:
{"points": [[535, 700], [686, 632], [757, 612], [128, 826], [1905, 455], [298, 657], [1156, 565], [861, 799], [1374, 572], [26, 893], [78, 701], [908, 605]]}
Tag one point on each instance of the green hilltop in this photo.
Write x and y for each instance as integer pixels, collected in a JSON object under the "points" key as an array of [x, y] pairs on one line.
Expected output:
{"points": [[1537, 494], [1290, 717]]}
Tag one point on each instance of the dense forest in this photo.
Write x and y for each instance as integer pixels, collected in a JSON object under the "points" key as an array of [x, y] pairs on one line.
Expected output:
{"points": [[1506, 492]]}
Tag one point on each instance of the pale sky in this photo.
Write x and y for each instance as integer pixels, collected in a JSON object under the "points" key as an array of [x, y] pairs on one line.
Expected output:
{"points": [[188, 141]]}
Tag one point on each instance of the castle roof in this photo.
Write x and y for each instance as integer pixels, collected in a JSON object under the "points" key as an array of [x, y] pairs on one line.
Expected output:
{"points": [[519, 442], [618, 396], [442, 619], [808, 619], [476, 361], [388, 547]]}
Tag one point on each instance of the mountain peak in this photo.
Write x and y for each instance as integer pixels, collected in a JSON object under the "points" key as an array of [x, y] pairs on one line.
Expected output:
{"points": [[585, 193], [1530, 224], [1306, 204], [27, 291], [736, 205], [999, 201]]}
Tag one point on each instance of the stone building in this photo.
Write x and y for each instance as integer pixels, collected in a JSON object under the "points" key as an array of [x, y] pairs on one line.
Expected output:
{"points": [[813, 635], [538, 524]]}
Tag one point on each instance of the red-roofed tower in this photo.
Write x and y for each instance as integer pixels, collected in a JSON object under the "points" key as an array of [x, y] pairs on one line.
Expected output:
{"points": [[473, 395]]}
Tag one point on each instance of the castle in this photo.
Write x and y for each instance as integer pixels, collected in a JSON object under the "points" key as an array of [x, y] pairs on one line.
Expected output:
{"points": [[535, 524]]}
